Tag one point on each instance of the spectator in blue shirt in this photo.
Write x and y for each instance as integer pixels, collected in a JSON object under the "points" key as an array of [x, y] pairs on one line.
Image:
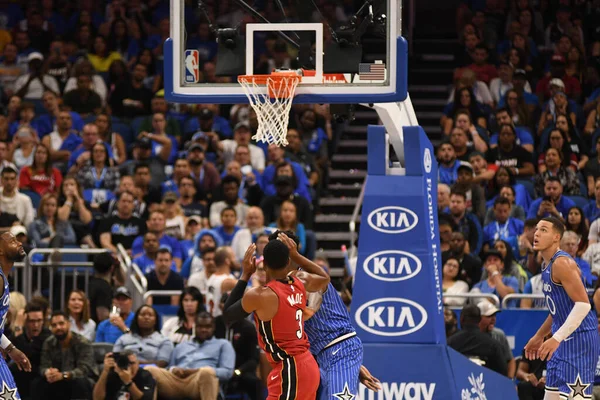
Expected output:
{"points": [[552, 203], [197, 366], [496, 283], [121, 318], [157, 223], [145, 339]]}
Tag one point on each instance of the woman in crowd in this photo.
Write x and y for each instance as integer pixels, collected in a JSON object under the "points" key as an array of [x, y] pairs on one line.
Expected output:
{"points": [[78, 310], [40, 177], [451, 284], [48, 229], [145, 340], [577, 223], [288, 221], [182, 327], [74, 209]]}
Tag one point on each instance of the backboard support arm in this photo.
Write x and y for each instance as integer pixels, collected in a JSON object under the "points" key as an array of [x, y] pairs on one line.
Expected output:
{"points": [[394, 117]]}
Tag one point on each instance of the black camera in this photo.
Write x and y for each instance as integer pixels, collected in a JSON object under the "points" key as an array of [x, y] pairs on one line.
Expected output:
{"points": [[122, 360]]}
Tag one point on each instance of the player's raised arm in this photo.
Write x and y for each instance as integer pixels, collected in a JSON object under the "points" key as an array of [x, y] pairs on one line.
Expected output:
{"points": [[566, 272], [315, 278]]}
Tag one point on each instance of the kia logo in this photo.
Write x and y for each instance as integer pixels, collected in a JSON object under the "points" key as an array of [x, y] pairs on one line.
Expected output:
{"points": [[392, 265], [392, 219], [391, 316]]}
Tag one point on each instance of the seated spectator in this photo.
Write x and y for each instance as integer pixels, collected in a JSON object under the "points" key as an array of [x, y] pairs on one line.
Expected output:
{"points": [[243, 338], [255, 224], [24, 145], [174, 216], [197, 366], [509, 154], [466, 222], [516, 211], [120, 319], [97, 176], [448, 164], [31, 86], [162, 277], [83, 100], [30, 341], [117, 382], [40, 177], [487, 325], [504, 226], [552, 203], [496, 282], [231, 189], [451, 284], [67, 364], [157, 224], [470, 266], [181, 328], [78, 310], [132, 99], [114, 139], [122, 228], [146, 262], [219, 281], [100, 290], [557, 139], [474, 344], [288, 221], [13, 202], [205, 239], [48, 230], [63, 140], [145, 340], [228, 228], [242, 136], [74, 209], [577, 223]]}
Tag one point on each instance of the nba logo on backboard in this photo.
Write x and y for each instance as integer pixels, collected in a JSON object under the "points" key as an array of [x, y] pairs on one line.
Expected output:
{"points": [[192, 72]]}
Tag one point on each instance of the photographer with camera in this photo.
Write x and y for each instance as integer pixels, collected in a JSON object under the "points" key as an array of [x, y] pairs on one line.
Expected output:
{"points": [[122, 378]]}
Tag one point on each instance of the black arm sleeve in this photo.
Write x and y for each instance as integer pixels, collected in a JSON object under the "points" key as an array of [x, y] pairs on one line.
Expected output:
{"points": [[233, 310]]}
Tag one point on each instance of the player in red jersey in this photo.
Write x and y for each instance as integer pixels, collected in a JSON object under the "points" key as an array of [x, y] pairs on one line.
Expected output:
{"points": [[278, 309]]}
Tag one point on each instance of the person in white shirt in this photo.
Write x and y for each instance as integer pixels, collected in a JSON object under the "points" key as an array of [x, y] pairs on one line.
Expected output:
{"points": [[13, 202], [33, 85]]}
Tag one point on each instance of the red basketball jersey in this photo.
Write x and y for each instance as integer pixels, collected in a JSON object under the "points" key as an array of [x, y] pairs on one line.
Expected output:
{"points": [[284, 336]]}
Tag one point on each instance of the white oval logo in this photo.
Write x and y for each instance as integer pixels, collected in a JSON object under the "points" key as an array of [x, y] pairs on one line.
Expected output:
{"points": [[391, 316], [392, 265], [427, 160], [392, 219]]}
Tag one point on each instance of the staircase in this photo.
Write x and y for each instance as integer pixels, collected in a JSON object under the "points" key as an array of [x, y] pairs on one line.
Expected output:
{"points": [[430, 77]]}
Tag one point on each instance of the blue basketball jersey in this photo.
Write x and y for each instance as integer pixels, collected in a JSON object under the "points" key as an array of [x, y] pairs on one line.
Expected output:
{"points": [[330, 322], [558, 301]]}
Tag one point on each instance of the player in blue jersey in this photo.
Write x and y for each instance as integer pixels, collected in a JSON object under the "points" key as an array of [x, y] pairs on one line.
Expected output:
{"points": [[333, 340], [572, 351], [11, 250]]}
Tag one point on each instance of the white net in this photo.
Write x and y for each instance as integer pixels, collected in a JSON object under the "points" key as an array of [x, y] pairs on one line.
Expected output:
{"points": [[272, 107]]}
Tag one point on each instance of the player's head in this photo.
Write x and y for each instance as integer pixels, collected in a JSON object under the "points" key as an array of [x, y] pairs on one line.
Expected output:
{"points": [[10, 248], [276, 257], [548, 232]]}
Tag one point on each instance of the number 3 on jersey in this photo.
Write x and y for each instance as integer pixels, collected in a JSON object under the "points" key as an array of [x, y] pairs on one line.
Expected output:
{"points": [[299, 319]]}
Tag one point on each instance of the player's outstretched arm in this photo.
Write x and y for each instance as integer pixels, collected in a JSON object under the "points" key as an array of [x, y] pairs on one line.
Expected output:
{"points": [[566, 272]]}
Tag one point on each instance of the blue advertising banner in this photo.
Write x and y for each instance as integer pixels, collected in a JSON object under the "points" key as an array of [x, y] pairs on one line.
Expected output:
{"points": [[397, 295], [430, 372]]}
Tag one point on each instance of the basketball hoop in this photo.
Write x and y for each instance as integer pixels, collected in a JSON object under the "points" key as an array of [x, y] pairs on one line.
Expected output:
{"points": [[273, 107]]}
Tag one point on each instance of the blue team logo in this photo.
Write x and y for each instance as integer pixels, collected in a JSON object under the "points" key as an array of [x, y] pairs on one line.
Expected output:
{"points": [[391, 316], [392, 265], [192, 66], [392, 219]]}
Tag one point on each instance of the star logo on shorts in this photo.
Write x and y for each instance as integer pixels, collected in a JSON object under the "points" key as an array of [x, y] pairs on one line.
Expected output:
{"points": [[578, 388], [345, 395], [7, 393]]}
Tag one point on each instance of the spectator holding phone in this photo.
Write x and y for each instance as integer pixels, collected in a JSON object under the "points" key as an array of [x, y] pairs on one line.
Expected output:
{"points": [[122, 378]]}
